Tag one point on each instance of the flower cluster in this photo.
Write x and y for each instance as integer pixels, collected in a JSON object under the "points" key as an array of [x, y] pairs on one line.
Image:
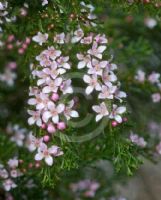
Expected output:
{"points": [[43, 152], [9, 173], [20, 46], [9, 75], [50, 87], [88, 16], [138, 140], [153, 79], [86, 187], [100, 76]]}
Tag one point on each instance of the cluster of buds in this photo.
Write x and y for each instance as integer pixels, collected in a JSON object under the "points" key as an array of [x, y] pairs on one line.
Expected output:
{"points": [[9, 173], [154, 80], [100, 76], [19, 46], [87, 188]]}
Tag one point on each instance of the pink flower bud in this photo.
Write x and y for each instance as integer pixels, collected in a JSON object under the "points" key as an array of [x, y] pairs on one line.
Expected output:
{"points": [[43, 126], [12, 65], [61, 126], [46, 138], [10, 38], [30, 165], [37, 164], [9, 46], [51, 129], [114, 123], [28, 40], [21, 51], [24, 46], [125, 119], [55, 97]]}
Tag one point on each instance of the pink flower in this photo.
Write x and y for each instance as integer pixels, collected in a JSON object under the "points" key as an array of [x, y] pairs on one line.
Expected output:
{"points": [[8, 184], [13, 163], [97, 51], [52, 53], [107, 92], [78, 34], [101, 110], [116, 112], [68, 112], [3, 173], [140, 76], [96, 67], [66, 87], [101, 39], [156, 97], [87, 40], [92, 82], [44, 2], [62, 62], [137, 140], [33, 143], [44, 59], [35, 118], [40, 101], [59, 38], [40, 38], [53, 112], [154, 77], [46, 153], [108, 76], [52, 85], [84, 60]]}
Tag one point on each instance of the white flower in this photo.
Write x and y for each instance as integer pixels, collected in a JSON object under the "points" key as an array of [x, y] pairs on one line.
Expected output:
{"points": [[3, 173], [35, 118], [116, 112], [93, 83], [46, 153], [13, 163], [97, 50], [8, 77], [59, 38], [40, 38], [18, 138], [44, 2], [84, 60], [108, 76], [96, 67], [44, 60], [53, 112], [8, 184], [140, 76], [107, 92], [101, 110], [150, 22], [78, 34], [119, 95], [33, 143], [66, 87], [154, 77], [156, 97], [68, 112]]}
